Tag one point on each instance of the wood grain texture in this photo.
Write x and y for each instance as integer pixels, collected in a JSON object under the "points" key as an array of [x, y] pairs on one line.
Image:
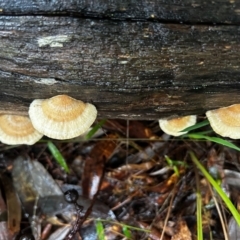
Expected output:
{"points": [[128, 69], [191, 11]]}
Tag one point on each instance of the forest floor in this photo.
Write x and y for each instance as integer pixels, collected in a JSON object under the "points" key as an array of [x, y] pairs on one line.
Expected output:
{"points": [[134, 182]]}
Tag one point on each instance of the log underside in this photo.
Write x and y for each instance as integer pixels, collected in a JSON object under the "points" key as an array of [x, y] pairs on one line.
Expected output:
{"points": [[127, 68]]}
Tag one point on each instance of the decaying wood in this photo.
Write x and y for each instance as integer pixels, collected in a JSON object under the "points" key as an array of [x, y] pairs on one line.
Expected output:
{"points": [[127, 68], [190, 11]]}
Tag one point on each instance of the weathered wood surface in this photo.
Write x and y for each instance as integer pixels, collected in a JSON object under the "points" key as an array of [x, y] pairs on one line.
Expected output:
{"points": [[128, 68], [191, 11]]}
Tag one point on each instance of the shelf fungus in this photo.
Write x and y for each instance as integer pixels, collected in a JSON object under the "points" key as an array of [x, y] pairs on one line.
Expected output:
{"points": [[226, 121], [175, 126], [62, 117], [17, 130]]}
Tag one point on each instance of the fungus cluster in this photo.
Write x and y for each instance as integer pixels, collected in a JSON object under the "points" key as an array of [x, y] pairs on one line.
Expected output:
{"points": [[17, 130], [224, 121], [60, 117], [175, 126]]}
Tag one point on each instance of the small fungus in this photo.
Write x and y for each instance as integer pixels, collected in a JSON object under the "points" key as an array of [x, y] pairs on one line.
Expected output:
{"points": [[226, 121], [62, 117], [17, 130], [175, 126]]}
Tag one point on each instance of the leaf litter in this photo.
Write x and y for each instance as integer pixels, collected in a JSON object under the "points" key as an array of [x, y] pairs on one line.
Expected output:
{"points": [[133, 182]]}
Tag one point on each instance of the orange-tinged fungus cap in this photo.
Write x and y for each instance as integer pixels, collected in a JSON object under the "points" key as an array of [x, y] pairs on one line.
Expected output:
{"points": [[175, 126], [226, 121], [62, 117], [17, 130]]}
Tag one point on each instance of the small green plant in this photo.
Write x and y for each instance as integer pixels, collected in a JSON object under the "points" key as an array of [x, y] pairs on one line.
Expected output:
{"points": [[199, 211], [95, 129], [213, 139], [203, 135], [100, 229], [174, 164], [126, 229], [218, 189], [126, 232], [57, 156], [214, 183], [196, 126]]}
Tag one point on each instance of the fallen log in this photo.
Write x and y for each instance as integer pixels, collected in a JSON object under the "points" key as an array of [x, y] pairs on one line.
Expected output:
{"points": [[128, 67]]}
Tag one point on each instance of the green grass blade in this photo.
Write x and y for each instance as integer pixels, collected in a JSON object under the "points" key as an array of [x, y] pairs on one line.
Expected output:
{"points": [[214, 139], [199, 216], [126, 232], [128, 226], [196, 126], [95, 129], [199, 133], [169, 161], [57, 156], [172, 164], [218, 189], [100, 230]]}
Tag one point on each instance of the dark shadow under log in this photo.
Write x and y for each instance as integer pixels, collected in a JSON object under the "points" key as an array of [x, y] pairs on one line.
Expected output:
{"points": [[128, 69]]}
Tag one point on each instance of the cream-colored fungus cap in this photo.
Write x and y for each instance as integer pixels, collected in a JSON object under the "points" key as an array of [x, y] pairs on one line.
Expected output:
{"points": [[175, 126], [226, 121], [17, 130], [62, 117]]}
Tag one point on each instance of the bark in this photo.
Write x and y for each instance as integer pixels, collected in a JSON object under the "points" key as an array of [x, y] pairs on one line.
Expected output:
{"points": [[127, 68], [191, 11]]}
